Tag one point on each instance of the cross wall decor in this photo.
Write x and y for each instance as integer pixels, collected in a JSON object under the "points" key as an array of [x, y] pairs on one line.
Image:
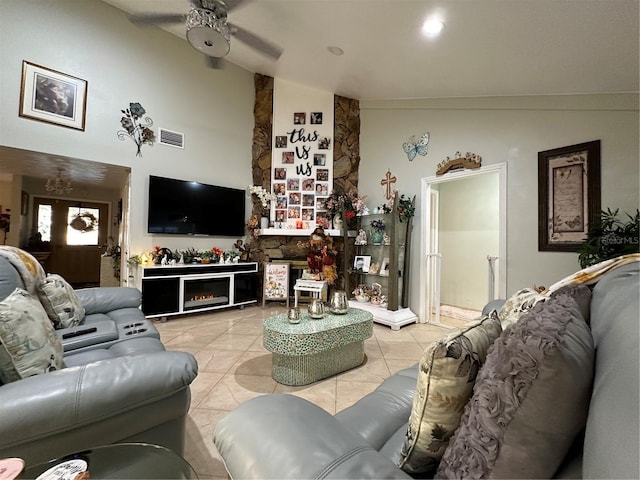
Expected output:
{"points": [[388, 182]]}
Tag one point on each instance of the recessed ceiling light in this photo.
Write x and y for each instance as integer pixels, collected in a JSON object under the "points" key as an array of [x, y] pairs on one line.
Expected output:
{"points": [[432, 27], [335, 50]]}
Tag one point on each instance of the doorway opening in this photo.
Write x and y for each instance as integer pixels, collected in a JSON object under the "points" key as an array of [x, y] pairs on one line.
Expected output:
{"points": [[76, 233], [463, 240]]}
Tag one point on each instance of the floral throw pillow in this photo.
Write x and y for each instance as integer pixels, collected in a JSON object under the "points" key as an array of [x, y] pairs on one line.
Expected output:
{"points": [[60, 301], [28, 343], [447, 374], [518, 304]]}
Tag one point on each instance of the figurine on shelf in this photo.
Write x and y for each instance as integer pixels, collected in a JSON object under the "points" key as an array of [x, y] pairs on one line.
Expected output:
{"points": [[386, 239], [321, 257], [376, 293], [374, 268], [361, 238]]}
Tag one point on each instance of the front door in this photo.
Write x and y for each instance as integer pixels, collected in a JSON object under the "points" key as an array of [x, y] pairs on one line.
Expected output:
{"points": [[78, 233]]}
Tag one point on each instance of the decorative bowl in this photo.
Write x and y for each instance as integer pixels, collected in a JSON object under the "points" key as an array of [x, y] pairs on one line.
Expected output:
{"points": [[362, 298]]}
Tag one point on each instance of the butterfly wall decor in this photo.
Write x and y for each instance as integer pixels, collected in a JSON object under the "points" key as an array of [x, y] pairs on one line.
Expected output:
{"points": [[416, 147]]}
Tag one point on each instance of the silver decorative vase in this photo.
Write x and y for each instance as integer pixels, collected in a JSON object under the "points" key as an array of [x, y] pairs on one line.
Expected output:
{"points": [[316, 308], [338, 303]]}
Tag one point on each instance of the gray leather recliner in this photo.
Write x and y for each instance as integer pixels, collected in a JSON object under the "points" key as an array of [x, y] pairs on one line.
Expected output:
{"points": [[122, 390]]}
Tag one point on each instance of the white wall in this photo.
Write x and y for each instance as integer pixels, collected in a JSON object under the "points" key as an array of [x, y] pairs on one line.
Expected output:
{"points": [[503, 129], [124, 63], [469, 231]]}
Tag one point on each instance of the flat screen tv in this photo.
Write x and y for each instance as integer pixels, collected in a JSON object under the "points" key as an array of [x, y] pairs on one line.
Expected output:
{"points": [[190, 208]]}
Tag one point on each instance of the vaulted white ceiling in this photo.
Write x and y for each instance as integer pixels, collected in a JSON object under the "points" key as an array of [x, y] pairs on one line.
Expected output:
{"points": [[488, 47]]}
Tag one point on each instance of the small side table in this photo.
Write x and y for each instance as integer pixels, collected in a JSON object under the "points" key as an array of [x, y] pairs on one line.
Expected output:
{"points": [[124, 460], [317, 288]]}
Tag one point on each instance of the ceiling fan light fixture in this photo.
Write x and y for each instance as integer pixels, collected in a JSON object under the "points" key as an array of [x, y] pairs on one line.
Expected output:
{"points": [[208, 32]]}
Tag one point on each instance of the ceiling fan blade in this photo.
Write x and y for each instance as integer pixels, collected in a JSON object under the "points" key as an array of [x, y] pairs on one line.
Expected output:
{"points": [[256, 42], [233, 4], [154, 19], [217, 63]]}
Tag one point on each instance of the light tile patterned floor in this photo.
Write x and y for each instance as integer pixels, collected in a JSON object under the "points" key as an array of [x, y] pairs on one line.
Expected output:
{"points": [[234, 366]]}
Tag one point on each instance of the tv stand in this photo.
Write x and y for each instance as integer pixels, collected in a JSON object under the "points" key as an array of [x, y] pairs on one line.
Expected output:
{"points": [[180, 289]]}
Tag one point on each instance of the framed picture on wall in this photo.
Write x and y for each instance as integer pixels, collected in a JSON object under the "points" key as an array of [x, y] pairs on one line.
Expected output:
{"points": [[53, 97], [568, 195]]}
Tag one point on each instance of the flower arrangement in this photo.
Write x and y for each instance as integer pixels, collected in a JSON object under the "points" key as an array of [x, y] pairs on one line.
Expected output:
{"points": [[158, 253], [189, 255], [134, 128], [349, 203], [216, 254], [263, 195], [406, 208], [377, 225]]}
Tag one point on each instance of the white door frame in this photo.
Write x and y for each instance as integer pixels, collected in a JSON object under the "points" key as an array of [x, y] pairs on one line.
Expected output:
{"points": [[429, 290]]}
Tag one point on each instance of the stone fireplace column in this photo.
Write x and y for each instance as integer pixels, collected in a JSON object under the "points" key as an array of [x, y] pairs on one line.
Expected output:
{"points": [[346, 155]]}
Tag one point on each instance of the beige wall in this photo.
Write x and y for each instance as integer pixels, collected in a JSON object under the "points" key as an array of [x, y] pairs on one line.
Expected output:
{"points": [[124, 63], [469, 231], [511, 130]]}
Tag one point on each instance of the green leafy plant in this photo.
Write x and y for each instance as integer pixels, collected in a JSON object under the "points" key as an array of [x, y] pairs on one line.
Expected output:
{"points": [[406, 208], [134, 261], [610, 237]]}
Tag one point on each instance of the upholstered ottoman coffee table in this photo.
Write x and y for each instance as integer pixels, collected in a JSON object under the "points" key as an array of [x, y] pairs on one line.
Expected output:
{"points": [[311, 350]]}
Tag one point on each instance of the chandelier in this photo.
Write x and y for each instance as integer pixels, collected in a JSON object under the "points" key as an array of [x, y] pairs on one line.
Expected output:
{"points": [[207, 29], [57, 185]]}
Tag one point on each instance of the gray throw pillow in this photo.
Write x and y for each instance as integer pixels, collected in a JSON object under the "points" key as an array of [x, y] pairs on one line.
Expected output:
{"points": [[530, 400], [28, 343], [60, 301]]}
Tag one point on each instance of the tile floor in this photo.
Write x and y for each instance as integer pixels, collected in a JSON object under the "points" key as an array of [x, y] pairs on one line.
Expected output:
{"points": [[234, 366]]}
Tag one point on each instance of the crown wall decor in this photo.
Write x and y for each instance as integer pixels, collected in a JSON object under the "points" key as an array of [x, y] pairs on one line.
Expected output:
{"points": [[470, 161]]}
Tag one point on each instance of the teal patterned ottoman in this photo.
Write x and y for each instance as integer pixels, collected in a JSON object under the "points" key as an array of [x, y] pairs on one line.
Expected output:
{"points": [[311, 350]]}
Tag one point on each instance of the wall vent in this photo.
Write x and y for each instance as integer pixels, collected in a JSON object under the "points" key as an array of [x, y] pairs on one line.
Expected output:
{"points": [[173, 139]]}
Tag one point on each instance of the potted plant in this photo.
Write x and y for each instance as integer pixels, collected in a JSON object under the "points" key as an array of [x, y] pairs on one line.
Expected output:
{"points": [[377, 231], [206, 256], [216, 254], [610, 237]]}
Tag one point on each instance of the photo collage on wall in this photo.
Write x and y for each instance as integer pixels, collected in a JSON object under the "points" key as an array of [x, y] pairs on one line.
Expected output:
{"points": [[302, 172]]}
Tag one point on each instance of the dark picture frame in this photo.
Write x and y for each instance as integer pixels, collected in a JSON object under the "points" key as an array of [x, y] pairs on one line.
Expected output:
{"points": [[568, 195], [50, 96], [361, 263]]}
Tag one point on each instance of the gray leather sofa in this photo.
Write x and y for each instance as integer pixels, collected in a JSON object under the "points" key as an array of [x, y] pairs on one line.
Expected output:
{"points": [[284, 436], [122, 388]]}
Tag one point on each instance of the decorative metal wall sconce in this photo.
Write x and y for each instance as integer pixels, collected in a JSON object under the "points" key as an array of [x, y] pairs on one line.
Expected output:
{"points": [[134, 128]]}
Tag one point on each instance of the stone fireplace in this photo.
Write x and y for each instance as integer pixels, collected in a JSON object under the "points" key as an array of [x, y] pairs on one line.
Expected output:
{"points": [[346, 158]]}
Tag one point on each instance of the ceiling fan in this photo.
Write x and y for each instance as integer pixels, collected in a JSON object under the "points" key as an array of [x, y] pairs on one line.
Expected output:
{"points": [[209, 32]]}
